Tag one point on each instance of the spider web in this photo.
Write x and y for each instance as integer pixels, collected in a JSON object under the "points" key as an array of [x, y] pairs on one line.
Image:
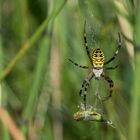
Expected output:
{"points": [[94, 112], [98, 105]]}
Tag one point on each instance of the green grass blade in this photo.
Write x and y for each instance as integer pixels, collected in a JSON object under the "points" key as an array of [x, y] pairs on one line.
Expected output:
{"points": [[135, 93], [34, 38]]}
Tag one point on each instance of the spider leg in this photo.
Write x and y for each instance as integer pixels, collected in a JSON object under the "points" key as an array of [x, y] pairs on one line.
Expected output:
{"points": [[111, 85], [116, 53], [76, 64], [111, 68], [86, 44], [85, 86]]}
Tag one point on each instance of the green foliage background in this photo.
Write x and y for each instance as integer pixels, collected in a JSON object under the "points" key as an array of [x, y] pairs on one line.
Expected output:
{"points": [[40, 87]]}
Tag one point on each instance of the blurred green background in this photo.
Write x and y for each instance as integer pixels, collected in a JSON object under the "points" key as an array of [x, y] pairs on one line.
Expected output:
{"points": [[40, 87]]}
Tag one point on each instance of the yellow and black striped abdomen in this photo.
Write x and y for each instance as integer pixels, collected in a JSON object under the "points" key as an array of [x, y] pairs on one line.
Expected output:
{"points": [[98, 58]]}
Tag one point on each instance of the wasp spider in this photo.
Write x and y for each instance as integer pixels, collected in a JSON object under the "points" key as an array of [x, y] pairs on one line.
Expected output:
{"points": [[98, 63]]}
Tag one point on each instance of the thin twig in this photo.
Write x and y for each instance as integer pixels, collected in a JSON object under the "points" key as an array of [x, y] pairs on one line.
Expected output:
{"points": [[10, 125]]}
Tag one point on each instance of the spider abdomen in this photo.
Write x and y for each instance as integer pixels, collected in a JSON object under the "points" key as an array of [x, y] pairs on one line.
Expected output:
{"points": [[98, 58]]}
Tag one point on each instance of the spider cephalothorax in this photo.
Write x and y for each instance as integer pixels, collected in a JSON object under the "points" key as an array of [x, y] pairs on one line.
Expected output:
{"points": [[98, 63]]}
